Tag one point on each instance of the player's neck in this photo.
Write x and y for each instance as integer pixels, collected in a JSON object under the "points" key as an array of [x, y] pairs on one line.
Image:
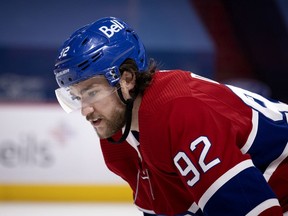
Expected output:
{"points": [[136, 106]]}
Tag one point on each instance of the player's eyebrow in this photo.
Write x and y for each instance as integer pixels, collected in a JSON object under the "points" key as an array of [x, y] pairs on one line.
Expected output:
{"points": [[95, 83], [88, 88]]}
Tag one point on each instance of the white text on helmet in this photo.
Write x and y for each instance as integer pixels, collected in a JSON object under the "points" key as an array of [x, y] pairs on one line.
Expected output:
{"points": [[115, 27], [62, 72], [64, 52]]}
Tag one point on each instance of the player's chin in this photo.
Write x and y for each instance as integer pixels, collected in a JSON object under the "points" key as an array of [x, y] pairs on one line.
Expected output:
{"points": [[105, 133], [100, 134], [109, 128]]}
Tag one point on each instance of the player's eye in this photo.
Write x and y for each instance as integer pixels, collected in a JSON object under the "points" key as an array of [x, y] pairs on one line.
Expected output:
{"points": [[74, 97], [92, 93]]}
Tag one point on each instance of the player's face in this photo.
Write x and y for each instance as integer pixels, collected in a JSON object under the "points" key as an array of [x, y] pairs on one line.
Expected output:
{"points": [[100, 105]]}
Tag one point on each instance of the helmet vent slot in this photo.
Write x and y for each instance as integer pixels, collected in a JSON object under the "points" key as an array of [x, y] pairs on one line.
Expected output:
{"points": [[84, 65], [96, 56], [85, 41]]}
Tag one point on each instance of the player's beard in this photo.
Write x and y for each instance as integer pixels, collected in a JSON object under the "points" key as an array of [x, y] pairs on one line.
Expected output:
{"points": [[114, 123]]}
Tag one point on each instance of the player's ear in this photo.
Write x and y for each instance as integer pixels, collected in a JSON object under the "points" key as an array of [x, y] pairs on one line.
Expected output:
{"points": [[127, 80], [127, 83]]}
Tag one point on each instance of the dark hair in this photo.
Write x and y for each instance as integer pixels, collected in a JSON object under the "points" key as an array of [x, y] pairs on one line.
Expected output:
{"points": [[143, 79]]}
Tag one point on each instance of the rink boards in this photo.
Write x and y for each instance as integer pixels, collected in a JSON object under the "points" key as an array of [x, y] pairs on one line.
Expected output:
{"points": [[46, 154]]}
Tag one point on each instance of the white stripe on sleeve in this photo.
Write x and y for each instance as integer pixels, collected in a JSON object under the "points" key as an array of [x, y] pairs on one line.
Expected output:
{"points": [[223, 180], [274, 165], [263, 206], [252, 135]]}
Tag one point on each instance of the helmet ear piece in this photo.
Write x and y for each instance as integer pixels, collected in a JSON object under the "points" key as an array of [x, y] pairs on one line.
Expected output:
{"points": [[113, 76], [97, 48]]}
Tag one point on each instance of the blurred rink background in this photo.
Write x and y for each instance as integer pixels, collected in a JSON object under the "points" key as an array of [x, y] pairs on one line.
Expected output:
{"points": [[50, 162]]}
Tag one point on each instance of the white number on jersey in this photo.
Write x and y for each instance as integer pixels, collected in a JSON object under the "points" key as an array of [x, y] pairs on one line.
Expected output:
{"points": [[272, 110], [201, 161]]}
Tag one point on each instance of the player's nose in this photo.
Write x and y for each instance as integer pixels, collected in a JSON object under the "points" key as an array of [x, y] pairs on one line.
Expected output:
{"points": [[86, 110]]}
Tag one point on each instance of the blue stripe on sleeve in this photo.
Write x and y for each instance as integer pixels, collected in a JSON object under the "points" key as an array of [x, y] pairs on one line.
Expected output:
{"points": [[265, 148], [240, 194]]}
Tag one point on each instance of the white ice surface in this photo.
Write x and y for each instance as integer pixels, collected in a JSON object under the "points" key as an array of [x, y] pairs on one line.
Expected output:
{"points": [[69, 209]]}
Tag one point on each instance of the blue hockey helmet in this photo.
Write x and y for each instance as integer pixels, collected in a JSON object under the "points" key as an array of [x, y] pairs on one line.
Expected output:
{"points": [[98, 48]]}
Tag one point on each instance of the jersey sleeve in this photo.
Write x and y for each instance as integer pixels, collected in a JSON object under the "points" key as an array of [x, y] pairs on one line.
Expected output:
{"points": [[123, 160], [205, 140]]}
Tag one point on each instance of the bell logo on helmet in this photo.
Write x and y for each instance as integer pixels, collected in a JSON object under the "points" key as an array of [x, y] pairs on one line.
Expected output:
{"points": [[115, 27]]}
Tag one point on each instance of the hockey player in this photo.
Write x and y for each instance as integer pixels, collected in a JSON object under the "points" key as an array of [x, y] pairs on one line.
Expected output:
{"points": [[186, 145]]}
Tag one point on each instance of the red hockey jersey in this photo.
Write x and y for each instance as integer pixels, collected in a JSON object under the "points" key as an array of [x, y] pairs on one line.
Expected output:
{"points": [[205, 148]]}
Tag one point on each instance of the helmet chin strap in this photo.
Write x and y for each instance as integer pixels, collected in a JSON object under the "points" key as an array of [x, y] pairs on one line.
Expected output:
{"points": [[129, 106]]}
